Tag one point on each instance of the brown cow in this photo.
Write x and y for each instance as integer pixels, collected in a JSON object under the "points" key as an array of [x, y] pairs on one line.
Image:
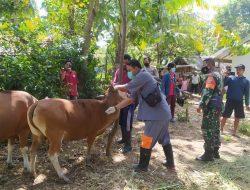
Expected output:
{"points": [[13, 121], [64, 120]]}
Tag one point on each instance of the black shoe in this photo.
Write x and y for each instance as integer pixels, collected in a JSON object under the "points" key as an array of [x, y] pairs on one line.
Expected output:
{"points": [[145, 155], [138, 168], [168, 151], [207, 156], [120, 141], [216, 153], [126, 149]]}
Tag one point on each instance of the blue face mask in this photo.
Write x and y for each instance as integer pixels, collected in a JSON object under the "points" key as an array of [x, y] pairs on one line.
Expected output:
{"points": [[130, 75], [173, 70]]}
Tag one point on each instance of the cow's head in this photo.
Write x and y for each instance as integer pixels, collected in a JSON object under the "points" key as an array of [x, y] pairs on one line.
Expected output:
{"points": [[112, 96]]}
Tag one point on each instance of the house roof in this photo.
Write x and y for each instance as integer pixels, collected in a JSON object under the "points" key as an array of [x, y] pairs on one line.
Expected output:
{"points": [[224, 54]]}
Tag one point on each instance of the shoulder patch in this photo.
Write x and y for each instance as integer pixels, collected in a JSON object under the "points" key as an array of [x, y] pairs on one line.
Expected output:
{"points": [[210, 82]]}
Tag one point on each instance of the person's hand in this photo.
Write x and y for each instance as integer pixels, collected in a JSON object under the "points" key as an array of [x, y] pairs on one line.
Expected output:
{"points": [[248, 108], [199, 110], [111, 110], [180, 93]]}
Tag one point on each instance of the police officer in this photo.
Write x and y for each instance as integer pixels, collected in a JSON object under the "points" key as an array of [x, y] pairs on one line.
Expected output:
{"points": [[156, 118], [211, 104]]}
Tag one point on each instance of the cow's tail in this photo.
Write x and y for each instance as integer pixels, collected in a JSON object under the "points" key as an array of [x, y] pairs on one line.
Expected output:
{"points": [[34, 129]]}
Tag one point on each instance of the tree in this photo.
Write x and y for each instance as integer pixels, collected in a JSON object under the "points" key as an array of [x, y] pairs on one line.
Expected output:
{"points": [[235, 17]]}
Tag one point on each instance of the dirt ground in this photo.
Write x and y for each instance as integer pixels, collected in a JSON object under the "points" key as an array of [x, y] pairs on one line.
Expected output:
{"points": [[232, 171]]}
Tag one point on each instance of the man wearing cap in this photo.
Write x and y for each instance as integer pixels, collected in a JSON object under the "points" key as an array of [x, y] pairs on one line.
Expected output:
{"points": [[211, 105], [238, 87]]}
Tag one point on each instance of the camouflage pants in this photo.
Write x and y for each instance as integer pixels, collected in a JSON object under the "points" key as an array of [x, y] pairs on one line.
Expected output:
{"points": [[211, 129]]}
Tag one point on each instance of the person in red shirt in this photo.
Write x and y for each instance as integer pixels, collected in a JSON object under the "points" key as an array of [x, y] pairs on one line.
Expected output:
{"points": [[70, 80], [126, 113], [170, 89]]}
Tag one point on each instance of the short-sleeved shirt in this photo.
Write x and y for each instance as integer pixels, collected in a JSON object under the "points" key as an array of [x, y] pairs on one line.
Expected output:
{"points": [[238, 87], [142, 85], [71, 81], [195, 79], [125, 78]]}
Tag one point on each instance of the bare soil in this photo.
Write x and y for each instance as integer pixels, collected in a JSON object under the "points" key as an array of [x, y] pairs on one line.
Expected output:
{"points": [[232, 171]]}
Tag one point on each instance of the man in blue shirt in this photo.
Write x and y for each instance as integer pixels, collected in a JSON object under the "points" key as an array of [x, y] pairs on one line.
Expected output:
{"points": [[238, 87]]}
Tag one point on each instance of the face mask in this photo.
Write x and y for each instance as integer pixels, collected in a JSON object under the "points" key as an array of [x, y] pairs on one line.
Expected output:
{"points": [[204, 70], [173, 70], [130, 75]]}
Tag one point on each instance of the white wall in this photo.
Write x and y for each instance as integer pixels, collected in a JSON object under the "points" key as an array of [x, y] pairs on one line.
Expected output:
{"points": [[242, 60]]}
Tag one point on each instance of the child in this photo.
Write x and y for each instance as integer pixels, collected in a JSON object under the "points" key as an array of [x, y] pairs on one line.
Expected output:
{"points": [[184, 84]]}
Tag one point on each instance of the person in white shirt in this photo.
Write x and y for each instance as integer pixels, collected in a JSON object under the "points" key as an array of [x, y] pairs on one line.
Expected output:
{"points": [[195, 83]]}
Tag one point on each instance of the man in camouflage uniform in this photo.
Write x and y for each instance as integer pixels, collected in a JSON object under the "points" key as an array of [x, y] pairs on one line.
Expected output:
{"points": [[211, 104]]}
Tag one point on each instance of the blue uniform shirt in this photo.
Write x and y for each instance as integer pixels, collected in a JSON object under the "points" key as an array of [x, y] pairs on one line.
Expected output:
{"points": [[237, 88], [142, 85]]}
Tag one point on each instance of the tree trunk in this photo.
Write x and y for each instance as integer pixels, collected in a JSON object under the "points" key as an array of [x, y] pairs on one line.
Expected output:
{"points": [[71, 18], [122, 36], [92, 9]]}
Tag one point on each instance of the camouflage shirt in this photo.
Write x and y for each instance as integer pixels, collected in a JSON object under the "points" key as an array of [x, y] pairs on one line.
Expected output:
{"points": [[212, 86]]}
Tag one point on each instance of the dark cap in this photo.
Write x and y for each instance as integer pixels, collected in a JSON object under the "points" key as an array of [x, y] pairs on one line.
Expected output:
{"points": [[240, 66]]}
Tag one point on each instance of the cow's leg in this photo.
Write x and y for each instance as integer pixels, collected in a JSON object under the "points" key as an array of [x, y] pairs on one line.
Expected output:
{"points": [[90, 141], [111, 137], [10, 151], [23, 138], [33, 153], [54, 148]]}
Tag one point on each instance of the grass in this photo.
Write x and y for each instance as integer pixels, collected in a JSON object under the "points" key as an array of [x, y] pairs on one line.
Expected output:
{"points": [[229, 174], [227, 138], [245, 128], [176, 186]]}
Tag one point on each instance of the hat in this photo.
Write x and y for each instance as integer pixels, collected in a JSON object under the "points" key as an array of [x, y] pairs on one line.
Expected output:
{"points": [[241, 66]]}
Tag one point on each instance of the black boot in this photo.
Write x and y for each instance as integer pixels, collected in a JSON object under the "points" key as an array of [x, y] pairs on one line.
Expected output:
{"points": [[145, 155], [121, 141], [216, 152], [207, 156], [127, 142], [168, 151]]}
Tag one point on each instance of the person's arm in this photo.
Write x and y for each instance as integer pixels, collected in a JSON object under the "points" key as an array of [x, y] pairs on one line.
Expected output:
{"points": [[247, 95], [62, 74], [116, 78], [121, 87], [133, 87], [77, 81], [165, 84], [207, 92]]}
